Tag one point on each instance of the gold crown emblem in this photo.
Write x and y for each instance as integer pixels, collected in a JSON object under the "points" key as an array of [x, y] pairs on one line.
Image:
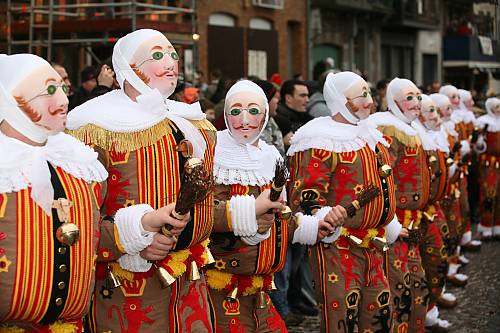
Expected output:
{"points": [[383, 298], [133, 288], [309, 195], [232, 307], [352, 299]]}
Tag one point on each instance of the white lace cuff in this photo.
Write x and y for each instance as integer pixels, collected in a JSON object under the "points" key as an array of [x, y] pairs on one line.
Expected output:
{"points": [[257, 238], [134, 263], [392, 230], [453, 169], [465, 149], [307, 230], [320, 215], [243, 219], [132, 235], [480, 146]]}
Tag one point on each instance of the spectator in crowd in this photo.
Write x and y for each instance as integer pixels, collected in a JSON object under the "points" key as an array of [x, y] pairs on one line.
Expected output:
{"points": [[88, 80], [208, 109], [64, 75], [215, 77], [292, 110], [434, 88], [271, 133], [317, 105], [381, 98]]}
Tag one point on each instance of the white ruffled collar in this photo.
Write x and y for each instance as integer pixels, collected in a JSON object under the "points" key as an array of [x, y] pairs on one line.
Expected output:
{"points": [[388, 119], [236, 163], [466, 115], [428, 142], [441, 139], [24, 166], [328, 134], [449, 126], [116, 112], [492, 121]]}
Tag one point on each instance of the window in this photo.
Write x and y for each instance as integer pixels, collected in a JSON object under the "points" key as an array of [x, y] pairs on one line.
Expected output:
{"points": [[274, 4], [260, 24], [221, 20]]}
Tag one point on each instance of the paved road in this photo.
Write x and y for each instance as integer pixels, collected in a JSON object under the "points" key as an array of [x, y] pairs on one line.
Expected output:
{"points": [[478, 310]]}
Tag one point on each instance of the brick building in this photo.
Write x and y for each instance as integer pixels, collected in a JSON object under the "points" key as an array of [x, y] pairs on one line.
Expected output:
{"points": [[252, 37]]}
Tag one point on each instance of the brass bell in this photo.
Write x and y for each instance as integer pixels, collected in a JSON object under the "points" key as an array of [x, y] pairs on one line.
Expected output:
{"points": [[261, 300], [355, 239], [385, 171], [112, 281], [194, 274], [432, 159], [233, 295], [273, 286], [286, 213], [380, 243], [449, 161], [210, 257], [68, 233], [165, 278]]}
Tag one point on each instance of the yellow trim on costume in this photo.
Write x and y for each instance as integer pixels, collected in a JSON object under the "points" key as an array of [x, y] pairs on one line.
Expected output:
{"points": [[370, 234], [228, 217], [57, 327], [220, 280], [176, 264], [3, 204], [121, 142], [407, 140], [203, 124], [117, 239]]}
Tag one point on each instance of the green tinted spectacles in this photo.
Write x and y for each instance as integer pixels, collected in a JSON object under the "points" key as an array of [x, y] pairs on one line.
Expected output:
{"points": [[237, 111], [51, 90]]}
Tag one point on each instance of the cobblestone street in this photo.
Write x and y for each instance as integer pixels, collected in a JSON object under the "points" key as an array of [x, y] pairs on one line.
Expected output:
{"points": [[478, 310]]}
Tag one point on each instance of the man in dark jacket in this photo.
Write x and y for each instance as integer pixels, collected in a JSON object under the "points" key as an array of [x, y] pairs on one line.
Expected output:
{"points": [[292, 111]]}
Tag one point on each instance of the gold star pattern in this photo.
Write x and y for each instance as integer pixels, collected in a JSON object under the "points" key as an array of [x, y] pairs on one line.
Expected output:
{"points": [[4, 264], [397, 263], [419, 300], [220, 264], [333, 277]]}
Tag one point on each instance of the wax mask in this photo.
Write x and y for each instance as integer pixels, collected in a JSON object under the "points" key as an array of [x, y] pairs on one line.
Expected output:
{"points": [[429, 115], [409, 101], [469, 103], [495, 109], [359, 99], [245, 114], [42, 97], [445, 111], [157, 64], [454, 99]]}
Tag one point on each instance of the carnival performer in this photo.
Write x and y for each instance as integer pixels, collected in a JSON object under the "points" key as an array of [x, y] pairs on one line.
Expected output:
{"points": [[50, 194], [333, 159], [412, 179], [450, 203], [464, 125], [490, 171], [433, 248], [140, 135], [248, 242]]}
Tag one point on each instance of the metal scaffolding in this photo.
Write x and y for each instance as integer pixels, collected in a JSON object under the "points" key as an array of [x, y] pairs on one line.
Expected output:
{"points": [[41, 17]]}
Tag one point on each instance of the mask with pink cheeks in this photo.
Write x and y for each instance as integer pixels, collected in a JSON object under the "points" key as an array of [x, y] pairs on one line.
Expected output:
{"points": [[429, 115], [245, 111], [34, 101], [444, 106], [453, 95], [493, 106], [466, 101], [404, 99], [147, 60]]}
